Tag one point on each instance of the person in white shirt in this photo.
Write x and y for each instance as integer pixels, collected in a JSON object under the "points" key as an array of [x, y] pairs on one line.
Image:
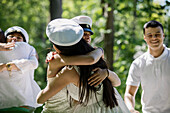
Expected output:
{"points": [[152, 71], [17, 84]]}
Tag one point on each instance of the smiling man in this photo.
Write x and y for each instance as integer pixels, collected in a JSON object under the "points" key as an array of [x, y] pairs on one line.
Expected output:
{"points": [[152, 71]]}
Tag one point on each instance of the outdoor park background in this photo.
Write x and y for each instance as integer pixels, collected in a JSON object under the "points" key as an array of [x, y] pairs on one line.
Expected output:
{"points": [[117, 26]]}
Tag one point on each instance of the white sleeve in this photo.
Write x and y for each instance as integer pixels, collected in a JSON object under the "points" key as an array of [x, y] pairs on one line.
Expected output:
{"points": [[133, 76], [27, 64]]}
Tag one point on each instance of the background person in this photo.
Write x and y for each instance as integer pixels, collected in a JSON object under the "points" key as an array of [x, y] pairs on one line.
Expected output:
{"points": [[17, 84], [151, 70], [100, 74], [86, 23]]}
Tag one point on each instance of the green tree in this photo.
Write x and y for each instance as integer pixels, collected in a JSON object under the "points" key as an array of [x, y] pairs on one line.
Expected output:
{"points": [[126, 22]]}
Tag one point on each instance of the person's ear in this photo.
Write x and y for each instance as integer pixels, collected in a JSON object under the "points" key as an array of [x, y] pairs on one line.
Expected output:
{"points": [[144, 37], [163, 36]]}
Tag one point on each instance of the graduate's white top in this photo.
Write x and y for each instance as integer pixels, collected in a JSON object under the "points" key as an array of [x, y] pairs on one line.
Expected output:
{"points": [[95, 103], [60, 102], [20, 88], [154, 76]]}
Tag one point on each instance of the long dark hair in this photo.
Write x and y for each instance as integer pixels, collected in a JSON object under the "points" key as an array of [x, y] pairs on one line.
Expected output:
{"points": [[81, 48]]}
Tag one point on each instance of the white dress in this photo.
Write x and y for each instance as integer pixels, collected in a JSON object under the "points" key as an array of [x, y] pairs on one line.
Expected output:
{"points": [[92, 105], [59, 103]]}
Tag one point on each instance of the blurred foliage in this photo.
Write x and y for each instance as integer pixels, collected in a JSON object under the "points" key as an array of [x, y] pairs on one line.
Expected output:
{"points": [[33, 15]]}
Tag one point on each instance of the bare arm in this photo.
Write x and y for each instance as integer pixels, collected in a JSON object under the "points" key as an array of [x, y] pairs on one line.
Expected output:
{"points": [[129, 98], [12, 66], [6, 47], [57, 83], [113, 77], [88, 59], [29, 63], [101, 74], [2, 67]]}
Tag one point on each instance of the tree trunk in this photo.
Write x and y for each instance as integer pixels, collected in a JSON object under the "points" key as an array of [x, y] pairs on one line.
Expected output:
{"points": [[55, 9], [109, 36]]}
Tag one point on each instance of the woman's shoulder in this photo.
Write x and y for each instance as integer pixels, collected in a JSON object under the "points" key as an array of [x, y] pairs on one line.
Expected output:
{"points": [[70, 73], [67, 74]]}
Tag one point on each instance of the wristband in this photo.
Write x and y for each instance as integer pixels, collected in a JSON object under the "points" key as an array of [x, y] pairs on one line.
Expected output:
{"points": [[101, 49]]}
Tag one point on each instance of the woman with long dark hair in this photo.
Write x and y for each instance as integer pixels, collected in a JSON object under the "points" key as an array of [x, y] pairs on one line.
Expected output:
{"points": [[66, 37]]}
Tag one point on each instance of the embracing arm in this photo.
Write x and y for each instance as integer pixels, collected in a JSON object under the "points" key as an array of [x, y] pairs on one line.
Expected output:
{"points": [[113, 77], [6, 47], [101, 74], [8, 66], [53, 87], [57, 83], [22, 63], [88, 59], [27, 63], [2, 67]]}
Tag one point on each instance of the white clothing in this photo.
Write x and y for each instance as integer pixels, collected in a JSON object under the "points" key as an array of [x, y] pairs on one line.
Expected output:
{"points": [[59, 103], [121, 103], [93, 106], [20, 88], [154, 76]]}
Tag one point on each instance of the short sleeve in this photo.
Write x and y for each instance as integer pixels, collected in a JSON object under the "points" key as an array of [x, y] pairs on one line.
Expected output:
{"points": [[133, 76]]}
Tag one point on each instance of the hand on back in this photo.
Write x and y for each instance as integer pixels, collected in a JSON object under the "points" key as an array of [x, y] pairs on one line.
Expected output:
{"points": [[97, 77], [50, 56], [6, 47]]}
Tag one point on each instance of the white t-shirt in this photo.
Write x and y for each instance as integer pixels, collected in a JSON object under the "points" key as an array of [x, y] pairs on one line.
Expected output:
{"points": [[20, 88], [154, 76]]}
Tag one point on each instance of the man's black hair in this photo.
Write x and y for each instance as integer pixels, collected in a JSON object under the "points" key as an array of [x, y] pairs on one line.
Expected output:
{"points": [[152, 24]]}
